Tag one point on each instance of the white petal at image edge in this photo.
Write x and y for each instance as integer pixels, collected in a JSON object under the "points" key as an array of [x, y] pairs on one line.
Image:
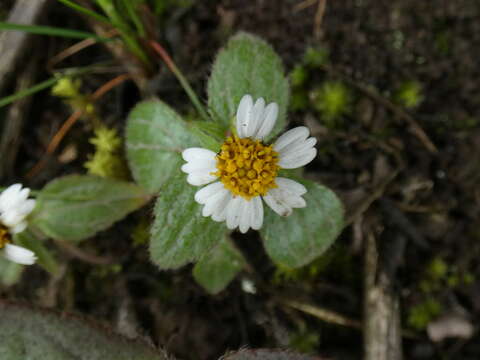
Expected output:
{"points": [[19, 254]]}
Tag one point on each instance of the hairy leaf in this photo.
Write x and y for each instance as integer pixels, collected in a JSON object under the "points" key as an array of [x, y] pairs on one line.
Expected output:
{"points": [[40, 334], [155, 138], [219, 267], [77, 207], [296, 240], [180, 234], [264, 354], [247, 65]]}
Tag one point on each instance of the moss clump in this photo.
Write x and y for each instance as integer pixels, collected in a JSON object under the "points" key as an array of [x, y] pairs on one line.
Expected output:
{"points": [[332, 100], [107, 160], [305, 340], [298, 76], [338, 259], [409, 94], [315, 57], [438, 276], [141, 233], [419, 316], [68, 89]]}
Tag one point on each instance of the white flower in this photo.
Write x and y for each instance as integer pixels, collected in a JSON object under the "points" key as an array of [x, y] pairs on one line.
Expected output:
{"points": [[247, 169], [14, 208]]}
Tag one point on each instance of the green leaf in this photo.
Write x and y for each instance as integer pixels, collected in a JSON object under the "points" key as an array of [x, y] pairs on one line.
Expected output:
{"points": [[264, 354], [211, 135], [10, 272], [52, 31], [248, 65], [180, 234], [40, 334], [219, 267], [298, 239], [45, 258], [156, 136], [77, 207]]}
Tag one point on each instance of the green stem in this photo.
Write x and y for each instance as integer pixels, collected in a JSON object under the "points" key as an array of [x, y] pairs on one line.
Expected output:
{"points": [[124, 29], [183, 81], [49, 30], [32, 90], [130, 8], [85, 11], [44, 85]]}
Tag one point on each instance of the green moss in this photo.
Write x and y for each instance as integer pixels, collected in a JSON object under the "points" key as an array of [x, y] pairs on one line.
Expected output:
{"points": [[332, 99], [437, 269], [107, 160], [141, 233], [305, 341], [420, 315], [468, 278], [443, 42], [315, 57], [299, 100], [409, 94], [298, 76], [336, 260]]}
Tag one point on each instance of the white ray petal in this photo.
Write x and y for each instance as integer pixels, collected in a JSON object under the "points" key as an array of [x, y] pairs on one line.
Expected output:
{"points": [[234, 212], [291, 185], [298, 147], [269, 120], [292, 136], [26, 207], [276, 204], [9, 196], [199, 164], [298, 160], [200, 178], [215, 203], [198, 154], [220, 213], [286, 196], [245, 216], [202, 195], [18, 228], [256, 118], [244, 113], [11, 218], [256, 220], [19, 254]]}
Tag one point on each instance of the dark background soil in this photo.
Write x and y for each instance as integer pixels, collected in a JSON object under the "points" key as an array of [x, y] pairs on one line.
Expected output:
{"points": [[430, 209]]}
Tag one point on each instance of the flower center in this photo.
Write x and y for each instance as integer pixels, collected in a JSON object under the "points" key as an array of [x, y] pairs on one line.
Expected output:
{"points": [[247, 167], [4, 236]]}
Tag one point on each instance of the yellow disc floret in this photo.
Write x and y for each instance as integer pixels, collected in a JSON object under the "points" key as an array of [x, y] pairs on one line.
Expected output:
{"points": [[4, 236], [247, 167]]}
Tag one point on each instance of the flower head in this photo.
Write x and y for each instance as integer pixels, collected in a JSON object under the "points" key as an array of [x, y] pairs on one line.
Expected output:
{"points": [[247, 169], [14, 208]]}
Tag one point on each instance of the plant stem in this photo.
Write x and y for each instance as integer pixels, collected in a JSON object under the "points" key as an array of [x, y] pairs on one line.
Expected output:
{"points": [[32, 90], [49, 30], [183, 81], [85, 11]]}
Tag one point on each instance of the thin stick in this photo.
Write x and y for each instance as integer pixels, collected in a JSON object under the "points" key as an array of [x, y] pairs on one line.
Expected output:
{"points": [[67, 125], [303, 5], [317, 24], [102, 90], [75, 49], [183, 81], [323, 314], [80, 254]]}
